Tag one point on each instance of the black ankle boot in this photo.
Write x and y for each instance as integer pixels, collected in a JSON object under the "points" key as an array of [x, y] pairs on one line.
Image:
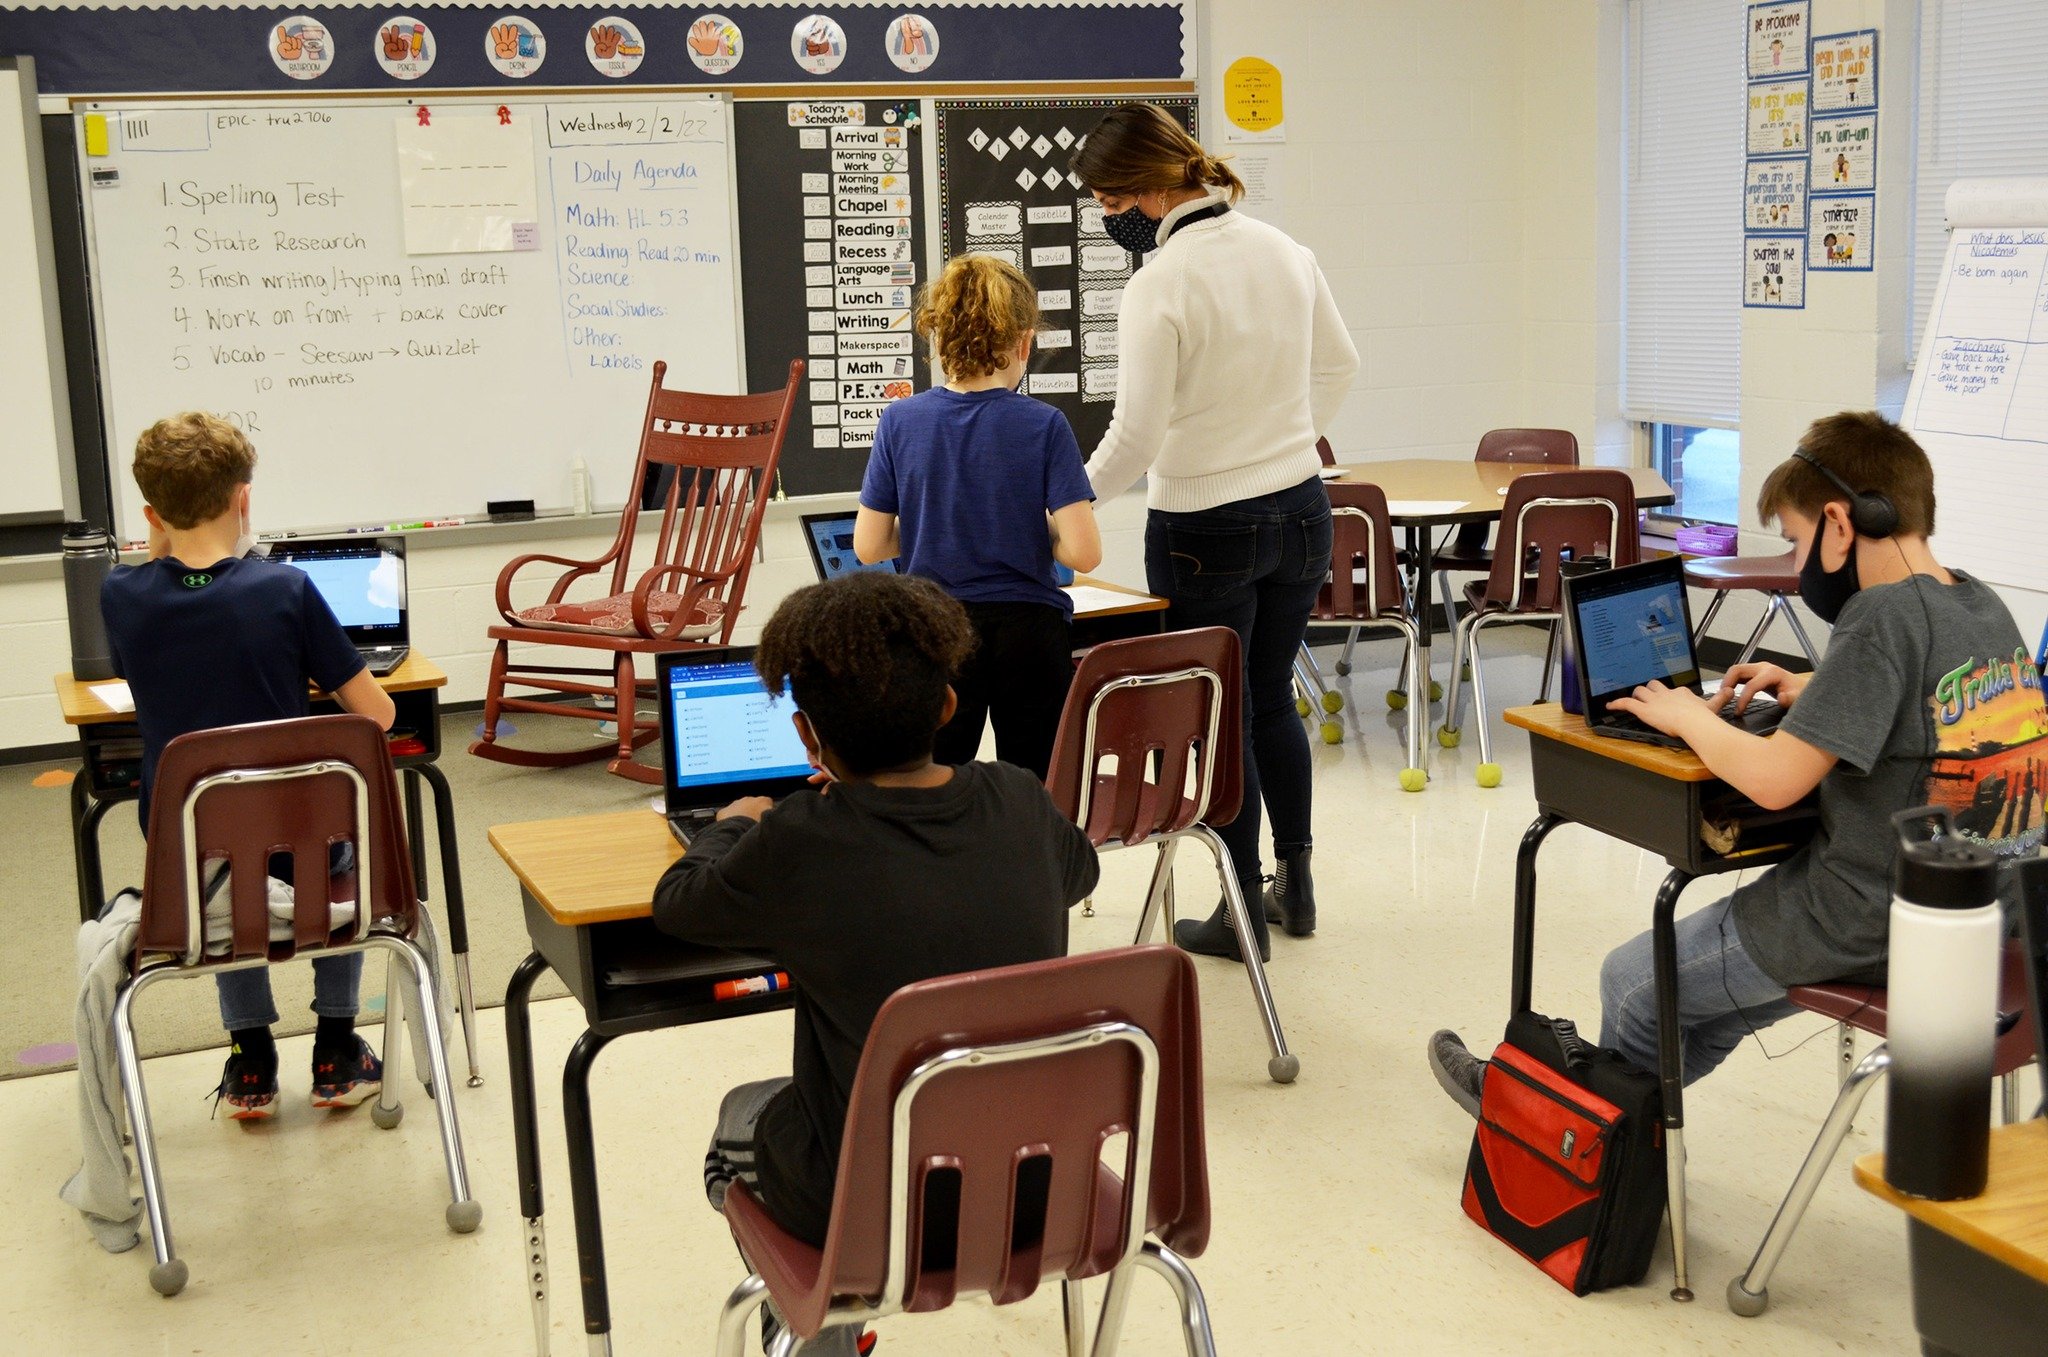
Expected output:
{"points": [[1215, 937], [1291, 899]]}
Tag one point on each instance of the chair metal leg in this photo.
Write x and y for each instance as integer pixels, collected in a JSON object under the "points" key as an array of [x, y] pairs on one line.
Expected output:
{"points": [[1350, 644], [1479, 694], [1155, 894], [1460, 657], [1549, 663], [1699, 633], [2008, 1098], [1845, 1053], [1194, 1309], [1281, 1067], [1109, 1325], [464, 1212], [169, 1274], [1799, 631], [746, 1298], [1417, 711], [388, 1111], [1763, 624], [1749, 1294], [1075, 1316], [458, 917]]}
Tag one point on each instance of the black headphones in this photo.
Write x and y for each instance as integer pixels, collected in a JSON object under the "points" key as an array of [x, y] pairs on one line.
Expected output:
{"points": [[1870, 515]]}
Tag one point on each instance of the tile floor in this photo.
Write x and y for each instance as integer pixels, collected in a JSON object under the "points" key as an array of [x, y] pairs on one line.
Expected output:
{"points": [[1337, 1227]]}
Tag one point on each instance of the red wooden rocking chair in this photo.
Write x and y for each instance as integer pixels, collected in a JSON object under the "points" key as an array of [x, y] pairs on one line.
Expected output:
{"points": [[722, 452]]}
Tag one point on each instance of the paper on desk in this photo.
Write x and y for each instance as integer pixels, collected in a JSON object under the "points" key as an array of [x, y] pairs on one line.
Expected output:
{"points": [[1089, 599], [1422, 508], [115, 694], [1331, 473]]}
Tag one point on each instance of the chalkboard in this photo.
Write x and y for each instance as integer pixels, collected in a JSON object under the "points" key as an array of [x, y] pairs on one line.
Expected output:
{"points": [[1005, 190], [1979, 397], [831, 210], [411, 309]]}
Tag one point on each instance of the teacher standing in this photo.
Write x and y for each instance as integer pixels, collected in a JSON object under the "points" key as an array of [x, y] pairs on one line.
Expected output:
{"points": [[1231, 361]]}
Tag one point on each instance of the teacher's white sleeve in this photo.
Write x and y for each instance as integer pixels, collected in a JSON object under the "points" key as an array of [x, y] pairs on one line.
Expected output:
{"points": [[1333, 358], [1147, 370]]}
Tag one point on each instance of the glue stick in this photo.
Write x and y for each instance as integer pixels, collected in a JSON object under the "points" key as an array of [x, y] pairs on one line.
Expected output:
{"points": [[753, 984]]}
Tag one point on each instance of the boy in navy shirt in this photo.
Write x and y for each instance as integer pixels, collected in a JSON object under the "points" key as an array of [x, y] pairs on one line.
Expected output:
{"points": [[981, 490], [207, 636]]}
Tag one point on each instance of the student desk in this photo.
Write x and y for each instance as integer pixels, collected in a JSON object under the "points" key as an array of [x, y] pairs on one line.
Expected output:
{"points": [[110, 755], [1460, 492], [1135, 614], [587, 887], [1659, 800], [1980, 1266]]}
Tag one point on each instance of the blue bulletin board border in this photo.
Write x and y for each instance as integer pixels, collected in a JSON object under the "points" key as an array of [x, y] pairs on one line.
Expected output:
{"points": [[217, 50]]}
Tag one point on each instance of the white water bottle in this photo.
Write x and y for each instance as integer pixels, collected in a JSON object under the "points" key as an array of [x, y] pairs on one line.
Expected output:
{"points": [[579, 488], [1942, 998]]}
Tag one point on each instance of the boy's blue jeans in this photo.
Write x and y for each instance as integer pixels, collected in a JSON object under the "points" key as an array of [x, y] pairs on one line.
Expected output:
{"points": [[245, 995], [1723, 995]]}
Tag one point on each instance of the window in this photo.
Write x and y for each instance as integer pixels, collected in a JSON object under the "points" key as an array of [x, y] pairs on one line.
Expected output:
{"points": [[1704, 466], [1682, 218], [1983, 111]]}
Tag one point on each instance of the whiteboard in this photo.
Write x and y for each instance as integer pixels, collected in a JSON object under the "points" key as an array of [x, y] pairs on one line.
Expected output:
{"points": [[1979, 398], [38, 410], [252, 259]]}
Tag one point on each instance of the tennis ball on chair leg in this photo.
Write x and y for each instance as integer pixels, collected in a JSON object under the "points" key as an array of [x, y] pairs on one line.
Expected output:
{"points": [[1301, 706], [1413, 779], [1396, 699], [1488, 774], [1333, 733], [1448, 736], [1333, 702]]}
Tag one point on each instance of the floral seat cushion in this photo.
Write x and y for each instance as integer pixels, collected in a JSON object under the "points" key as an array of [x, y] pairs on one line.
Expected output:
{"points": [[613, 616]]}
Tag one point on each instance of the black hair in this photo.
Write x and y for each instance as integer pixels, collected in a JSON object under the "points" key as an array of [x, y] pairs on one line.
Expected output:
{"points": [[868, 657]]}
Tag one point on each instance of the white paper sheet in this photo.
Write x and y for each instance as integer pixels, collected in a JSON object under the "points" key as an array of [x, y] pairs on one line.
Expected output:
{"points": [[1422, 508], [467, 184], [1089, 599], [115, 695]]}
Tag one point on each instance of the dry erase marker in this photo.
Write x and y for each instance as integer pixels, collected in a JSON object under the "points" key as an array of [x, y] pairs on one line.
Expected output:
{"points": [[370, 531], [753, 984], [444, 523]]}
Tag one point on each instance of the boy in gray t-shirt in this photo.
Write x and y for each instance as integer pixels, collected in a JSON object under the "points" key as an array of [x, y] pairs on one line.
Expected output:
{"points": [[1927, 695]]}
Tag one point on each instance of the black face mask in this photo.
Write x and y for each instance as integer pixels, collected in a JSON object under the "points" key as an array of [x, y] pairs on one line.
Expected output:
{"points": [[1133, 230], [1826, 591]]}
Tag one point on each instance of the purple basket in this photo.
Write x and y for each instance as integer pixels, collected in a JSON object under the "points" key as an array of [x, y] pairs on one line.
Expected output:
{"points": [[1707, 539]]}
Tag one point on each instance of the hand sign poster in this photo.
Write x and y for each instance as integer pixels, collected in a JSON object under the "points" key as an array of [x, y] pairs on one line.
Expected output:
{"points": [[301, 48], [716, 44], [405, 47], [614, 47], [515, 46]]}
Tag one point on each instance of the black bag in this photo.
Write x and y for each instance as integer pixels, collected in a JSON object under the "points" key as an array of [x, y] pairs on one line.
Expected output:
{"points": [[1567, 1165]]}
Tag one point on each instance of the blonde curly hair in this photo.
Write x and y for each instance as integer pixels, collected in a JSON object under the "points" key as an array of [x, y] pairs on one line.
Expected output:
{"points": [[975, 313]]}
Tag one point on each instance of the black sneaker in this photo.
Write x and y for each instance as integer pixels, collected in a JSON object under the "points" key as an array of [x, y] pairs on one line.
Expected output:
{"points": [[1291, 900], [346, 1076], [1457, 1070], [248, 1085]]}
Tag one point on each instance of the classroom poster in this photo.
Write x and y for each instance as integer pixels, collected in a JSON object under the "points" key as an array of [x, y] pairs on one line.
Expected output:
{"points": [[1777, 118], [1845, 153], [1845, 72], [1774, 272], [1841, 233], [466, 183], [1774, 195], [1777, 38], [1253, 108]]}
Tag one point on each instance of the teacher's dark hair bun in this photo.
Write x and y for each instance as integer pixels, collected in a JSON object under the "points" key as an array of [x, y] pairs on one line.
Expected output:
{"points": [[1141, 148]]}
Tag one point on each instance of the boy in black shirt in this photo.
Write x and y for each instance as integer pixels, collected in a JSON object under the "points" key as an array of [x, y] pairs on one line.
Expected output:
{"points": [[895, 869], [208, 636]]}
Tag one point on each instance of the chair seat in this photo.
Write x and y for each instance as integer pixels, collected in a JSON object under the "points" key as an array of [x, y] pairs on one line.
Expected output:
{"points": [[1766, 574], [1863, 1007], [1476, 600], [1458, 558], [613, 615]]}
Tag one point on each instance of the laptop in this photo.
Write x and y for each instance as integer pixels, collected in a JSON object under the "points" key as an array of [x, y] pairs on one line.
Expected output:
{"points": [[363, 581], [722, 737], [830, 538], [1633, 624]]}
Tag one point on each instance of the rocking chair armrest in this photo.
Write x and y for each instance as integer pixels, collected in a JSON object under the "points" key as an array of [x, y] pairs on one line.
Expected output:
{"points": [[700, 584], [513, 567]]}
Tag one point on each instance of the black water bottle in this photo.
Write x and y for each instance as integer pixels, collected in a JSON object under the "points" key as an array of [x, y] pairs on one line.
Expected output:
{"points": [[88, 559]]}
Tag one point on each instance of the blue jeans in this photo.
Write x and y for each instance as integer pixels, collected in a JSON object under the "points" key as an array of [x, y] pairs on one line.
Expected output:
{"points": [[1255, 566], [1723, 995], [245, 995]]}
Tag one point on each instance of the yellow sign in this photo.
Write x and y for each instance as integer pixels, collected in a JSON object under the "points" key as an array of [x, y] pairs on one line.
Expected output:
{"points": [[1252, 100]]}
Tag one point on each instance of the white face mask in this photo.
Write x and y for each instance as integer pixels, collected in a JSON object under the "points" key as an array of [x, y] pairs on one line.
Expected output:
{"points": [[245, 541]]}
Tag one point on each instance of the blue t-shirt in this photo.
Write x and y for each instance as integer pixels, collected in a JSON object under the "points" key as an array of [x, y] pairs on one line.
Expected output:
{"points": [[970, 476], [233, 643]]}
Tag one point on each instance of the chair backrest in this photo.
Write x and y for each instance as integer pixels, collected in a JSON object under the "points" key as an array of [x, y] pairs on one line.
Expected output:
{"points": [[720, 455], [1549, 515], [1326, 452], [1168, 710], [1553, 447], [982, 1111], [1364, 579], [240, 795]]}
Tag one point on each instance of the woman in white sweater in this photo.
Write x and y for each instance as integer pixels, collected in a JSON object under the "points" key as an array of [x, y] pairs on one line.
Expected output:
{"points": [[1231, 361]]}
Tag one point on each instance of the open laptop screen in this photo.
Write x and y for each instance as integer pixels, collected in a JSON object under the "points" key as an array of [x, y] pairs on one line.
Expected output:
{"points": [[1632, 628], [362, 582], [723, 728], [830, 538]]}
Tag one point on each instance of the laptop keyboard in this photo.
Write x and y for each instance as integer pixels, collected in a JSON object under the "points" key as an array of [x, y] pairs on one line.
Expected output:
{"points": [[1760, 717], [692, 822]]}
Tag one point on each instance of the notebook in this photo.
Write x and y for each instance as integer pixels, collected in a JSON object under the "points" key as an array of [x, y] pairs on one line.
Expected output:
{"points": [[830, 538], [1630, 625], [363, 581], [722, 737]]}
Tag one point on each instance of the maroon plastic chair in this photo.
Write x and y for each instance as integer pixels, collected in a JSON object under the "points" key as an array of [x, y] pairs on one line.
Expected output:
{"points": [[1151, 748], [1861, 1008], [1771, 576], [229, 800], [1365, 588], [981, 1112], [1547, 517], [1468, 553], [722, 452]]}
